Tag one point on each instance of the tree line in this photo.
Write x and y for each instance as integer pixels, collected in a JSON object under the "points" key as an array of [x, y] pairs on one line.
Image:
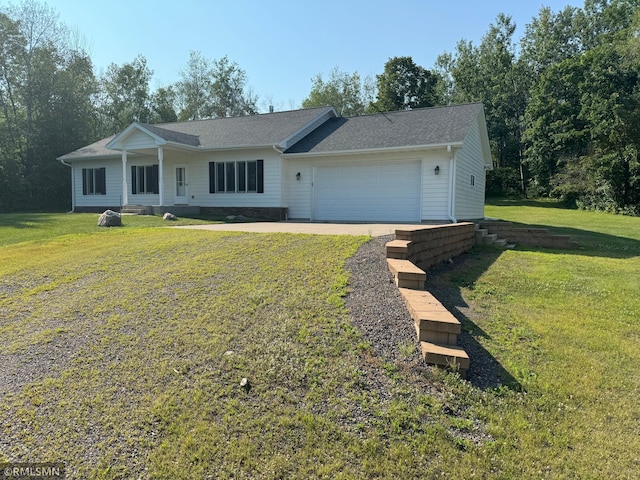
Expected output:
{"points": [[562, 102], [52, 102]]}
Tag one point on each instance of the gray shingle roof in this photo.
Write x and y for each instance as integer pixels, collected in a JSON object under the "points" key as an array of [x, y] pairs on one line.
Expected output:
{"points": [[420, 127], [248, 131], [425, 126], [221, 133], [97, 149], [173, 136]]}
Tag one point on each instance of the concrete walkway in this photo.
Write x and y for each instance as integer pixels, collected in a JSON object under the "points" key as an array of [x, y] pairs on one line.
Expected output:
{"points": [[357, 229]]}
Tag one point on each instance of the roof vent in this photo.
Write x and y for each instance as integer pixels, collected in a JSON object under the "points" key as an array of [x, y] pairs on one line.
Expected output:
{"points": [[270, 108]]}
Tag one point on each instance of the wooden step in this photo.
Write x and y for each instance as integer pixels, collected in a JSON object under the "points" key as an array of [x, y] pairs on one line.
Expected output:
{"points": [[448, 356]]}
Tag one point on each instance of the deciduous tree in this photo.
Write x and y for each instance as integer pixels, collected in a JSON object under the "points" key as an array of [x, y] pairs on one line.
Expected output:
{"points": [[125, 95], [403, 84], [347, 93], [213, 88]]}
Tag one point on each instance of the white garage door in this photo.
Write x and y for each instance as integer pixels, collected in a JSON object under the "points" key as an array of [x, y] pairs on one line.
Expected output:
{"points": [[370, 193]]}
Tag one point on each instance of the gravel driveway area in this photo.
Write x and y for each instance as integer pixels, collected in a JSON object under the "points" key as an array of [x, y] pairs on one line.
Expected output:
{"points": [[378, 311]]}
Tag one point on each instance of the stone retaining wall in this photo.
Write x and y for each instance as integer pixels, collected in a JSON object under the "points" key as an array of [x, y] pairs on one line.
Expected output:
{"points": [[531, 237], [416, 249], [426, 246]]}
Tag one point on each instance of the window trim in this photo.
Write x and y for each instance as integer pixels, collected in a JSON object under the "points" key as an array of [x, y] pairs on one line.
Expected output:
{"points": [[94, 181], [145, 180], [223, 173]]}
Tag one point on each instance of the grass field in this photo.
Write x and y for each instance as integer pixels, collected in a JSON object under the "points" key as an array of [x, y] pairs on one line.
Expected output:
{"points": [[123, 349]]}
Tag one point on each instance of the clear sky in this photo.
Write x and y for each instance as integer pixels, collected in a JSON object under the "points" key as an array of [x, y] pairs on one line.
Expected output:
{"points": [[282, 44]]}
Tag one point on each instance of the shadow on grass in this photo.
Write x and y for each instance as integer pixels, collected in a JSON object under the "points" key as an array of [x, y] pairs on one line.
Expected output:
{"points": [[22, 220], [591, 244], [519, 202], [445, 282]]}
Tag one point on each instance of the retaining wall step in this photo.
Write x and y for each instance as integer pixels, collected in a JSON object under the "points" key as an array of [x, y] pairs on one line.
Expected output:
{"points": [[489, 239], [398, 249], [449, 356], [428, 313], [529, 236], [406, 274], [480, 234]]}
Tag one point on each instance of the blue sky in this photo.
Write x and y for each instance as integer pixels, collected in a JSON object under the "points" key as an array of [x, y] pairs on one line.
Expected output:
{"points": [[283, 44]]}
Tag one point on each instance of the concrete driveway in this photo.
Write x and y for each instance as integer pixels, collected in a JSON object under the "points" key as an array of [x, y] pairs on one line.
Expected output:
{"points": [[357, 229]]}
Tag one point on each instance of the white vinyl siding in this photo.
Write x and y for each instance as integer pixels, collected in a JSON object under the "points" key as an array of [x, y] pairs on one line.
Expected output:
{"points": [[469, 202], [435, 188], [198, 179], [113, 183], [297, 194], [138, 140]]}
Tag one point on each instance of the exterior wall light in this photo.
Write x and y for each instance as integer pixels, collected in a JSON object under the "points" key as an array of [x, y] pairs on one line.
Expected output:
{"points": [[298, 176], [437, 170]]}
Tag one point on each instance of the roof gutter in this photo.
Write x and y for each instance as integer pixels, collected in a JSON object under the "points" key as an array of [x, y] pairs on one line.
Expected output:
{"points": [[73, 190], [405, 148]]}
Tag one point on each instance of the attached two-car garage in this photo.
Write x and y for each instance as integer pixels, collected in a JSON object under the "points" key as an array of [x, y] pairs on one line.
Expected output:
{"points": [[371, 192]]}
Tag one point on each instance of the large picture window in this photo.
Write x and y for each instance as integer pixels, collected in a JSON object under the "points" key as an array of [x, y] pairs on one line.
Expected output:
{"points": [[94, 181], [144, 179], [236, 177]]}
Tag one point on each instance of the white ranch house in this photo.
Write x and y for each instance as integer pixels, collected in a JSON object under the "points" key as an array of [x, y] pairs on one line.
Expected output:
{"points": [[421, 165]]}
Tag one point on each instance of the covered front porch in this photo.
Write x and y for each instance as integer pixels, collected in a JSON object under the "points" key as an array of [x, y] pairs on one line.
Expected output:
{"points": [[155, 170]]}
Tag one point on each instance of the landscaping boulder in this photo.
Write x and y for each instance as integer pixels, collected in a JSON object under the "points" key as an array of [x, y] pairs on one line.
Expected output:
{"points": [[109, 218], [169, 216]]}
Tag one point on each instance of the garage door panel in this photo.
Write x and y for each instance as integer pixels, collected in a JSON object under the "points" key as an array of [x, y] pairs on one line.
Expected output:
{"points": [[384, 192]]}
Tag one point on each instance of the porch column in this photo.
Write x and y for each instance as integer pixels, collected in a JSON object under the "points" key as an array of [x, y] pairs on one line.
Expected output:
{"points": [[161, 176], [125, 185]]}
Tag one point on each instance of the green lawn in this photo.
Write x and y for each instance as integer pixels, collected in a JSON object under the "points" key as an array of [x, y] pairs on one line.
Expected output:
{"points": [[123, 350], [33, 227]]}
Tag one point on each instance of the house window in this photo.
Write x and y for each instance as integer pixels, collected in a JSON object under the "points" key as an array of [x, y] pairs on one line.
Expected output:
{"points": [[236, 177], [144, 179], [94, 181], [473, 180]]}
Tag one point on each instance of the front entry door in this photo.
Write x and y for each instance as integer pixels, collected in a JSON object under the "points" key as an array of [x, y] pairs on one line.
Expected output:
{"points": [[182, 193]]}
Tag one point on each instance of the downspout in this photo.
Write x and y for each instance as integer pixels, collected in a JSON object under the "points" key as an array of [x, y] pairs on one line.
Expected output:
{"points": [[452, 185], [73, 189]]}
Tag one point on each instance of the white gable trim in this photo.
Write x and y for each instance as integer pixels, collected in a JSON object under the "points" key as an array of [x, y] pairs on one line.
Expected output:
{"points": [[484, 139], [119, 142], [307, 129]]}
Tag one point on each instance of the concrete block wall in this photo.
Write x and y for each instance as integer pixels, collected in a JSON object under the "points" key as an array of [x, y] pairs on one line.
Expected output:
{"points": [[426, 246], [531, 237], [416, 249]]}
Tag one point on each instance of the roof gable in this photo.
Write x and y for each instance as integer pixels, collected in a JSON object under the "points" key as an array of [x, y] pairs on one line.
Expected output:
{"points": [[280, 130], [409, 128], [137, 136]]}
